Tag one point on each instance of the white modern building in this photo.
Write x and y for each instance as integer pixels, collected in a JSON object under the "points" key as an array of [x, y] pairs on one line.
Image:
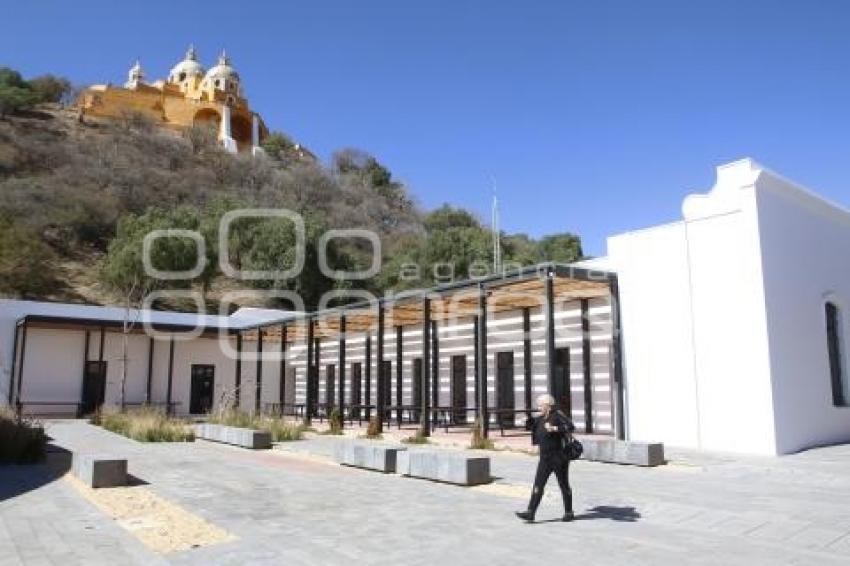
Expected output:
{"points": [[724, 331]]}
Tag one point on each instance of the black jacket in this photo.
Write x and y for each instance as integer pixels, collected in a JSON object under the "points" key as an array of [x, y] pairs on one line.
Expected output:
{"points": [[551, 443]]}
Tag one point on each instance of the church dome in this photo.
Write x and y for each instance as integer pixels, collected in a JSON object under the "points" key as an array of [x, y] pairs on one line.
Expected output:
{"points": [[188, 67], [222, 75]]}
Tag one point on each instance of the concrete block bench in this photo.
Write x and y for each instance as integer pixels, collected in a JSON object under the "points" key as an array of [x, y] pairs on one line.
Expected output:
{"points": [[623, 452], [244, 437], [450, 467], [100, 470], [367, 454]]}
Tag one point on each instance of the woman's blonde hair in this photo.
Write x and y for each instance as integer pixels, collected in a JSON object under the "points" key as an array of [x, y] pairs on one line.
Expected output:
{"points": [[546, 399]]}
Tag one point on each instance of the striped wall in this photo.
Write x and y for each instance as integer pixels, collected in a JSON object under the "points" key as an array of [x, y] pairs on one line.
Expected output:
{"points": [[505, 334]]}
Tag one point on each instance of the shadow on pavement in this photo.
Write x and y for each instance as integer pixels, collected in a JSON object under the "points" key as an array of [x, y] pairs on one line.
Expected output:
{"points": [[17, 479], [624, 514]]}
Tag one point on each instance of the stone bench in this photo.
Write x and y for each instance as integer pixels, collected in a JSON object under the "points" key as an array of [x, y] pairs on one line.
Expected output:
{"points": [[450, 467], [367, 454], [99, 470], [623, 452], [244, 437]]}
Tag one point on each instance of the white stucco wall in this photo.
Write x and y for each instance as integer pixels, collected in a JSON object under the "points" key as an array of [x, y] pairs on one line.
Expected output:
{"points": [[806, 253], [657, 337], [694, 327]]}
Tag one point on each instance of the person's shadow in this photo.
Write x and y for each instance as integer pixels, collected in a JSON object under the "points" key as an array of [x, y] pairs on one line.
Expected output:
{"points": [[624, 514]]}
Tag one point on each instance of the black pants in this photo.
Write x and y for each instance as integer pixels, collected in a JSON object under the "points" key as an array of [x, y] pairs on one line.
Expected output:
{"points": [[547, 465]]}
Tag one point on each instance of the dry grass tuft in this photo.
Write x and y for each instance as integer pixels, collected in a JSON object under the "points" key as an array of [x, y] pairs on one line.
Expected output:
{"points": [[146, 424]]}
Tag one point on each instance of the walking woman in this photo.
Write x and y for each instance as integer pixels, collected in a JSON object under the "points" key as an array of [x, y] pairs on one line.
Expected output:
{"points": [[549, 431]]}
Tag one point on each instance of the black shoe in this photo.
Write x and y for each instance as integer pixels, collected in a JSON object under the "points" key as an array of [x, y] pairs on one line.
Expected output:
{"points": [[568, 516], [526, 516]]}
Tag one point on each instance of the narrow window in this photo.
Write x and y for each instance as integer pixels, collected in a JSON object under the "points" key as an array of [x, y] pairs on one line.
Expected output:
{"points": [[840, 395]]}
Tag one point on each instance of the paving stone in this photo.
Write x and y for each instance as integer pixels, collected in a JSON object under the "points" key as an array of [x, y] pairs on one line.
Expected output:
{"points": [[286, 507]]}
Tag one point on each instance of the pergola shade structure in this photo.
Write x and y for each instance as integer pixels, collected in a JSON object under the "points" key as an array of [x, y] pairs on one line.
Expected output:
{"points": [[446, 356], [549, 328]]}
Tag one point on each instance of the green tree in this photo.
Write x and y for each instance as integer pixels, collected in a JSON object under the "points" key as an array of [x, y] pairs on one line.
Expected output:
{"points": [[276, 145], [272, 247], [123, 269], [15, 93], [24, 262], [562, 248], [50, 88], [448, 217]]}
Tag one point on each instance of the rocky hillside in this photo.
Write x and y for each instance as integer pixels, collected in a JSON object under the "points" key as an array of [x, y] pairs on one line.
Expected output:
{"points": [[76, 197]]}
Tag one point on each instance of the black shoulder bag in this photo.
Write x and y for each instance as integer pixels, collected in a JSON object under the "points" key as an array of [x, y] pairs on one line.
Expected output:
{"points": [[572, 447]]}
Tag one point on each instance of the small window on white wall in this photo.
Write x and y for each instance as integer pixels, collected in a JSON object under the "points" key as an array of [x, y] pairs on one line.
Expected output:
{"points": [[835, 347]]}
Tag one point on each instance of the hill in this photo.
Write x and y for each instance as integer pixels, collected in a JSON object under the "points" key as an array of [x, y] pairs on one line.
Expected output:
{"points": [[77, 197]]}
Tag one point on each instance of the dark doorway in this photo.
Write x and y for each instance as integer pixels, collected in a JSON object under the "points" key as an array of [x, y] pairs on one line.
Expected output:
{"points": [[561, 382], [94, 387], [417, 388], [330, 385], [459, 389], [356, 378], [203, 388], [386, 375], [505, 388]]}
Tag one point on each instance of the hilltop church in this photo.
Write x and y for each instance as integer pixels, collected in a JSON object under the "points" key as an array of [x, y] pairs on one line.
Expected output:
{"points": [[189, 96]]}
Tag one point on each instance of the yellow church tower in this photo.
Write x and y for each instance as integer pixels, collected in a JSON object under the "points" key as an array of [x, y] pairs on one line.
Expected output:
{"points": [[189, 96]]}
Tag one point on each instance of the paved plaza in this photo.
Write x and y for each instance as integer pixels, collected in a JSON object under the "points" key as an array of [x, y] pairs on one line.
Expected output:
{"points": [[291, 505]]}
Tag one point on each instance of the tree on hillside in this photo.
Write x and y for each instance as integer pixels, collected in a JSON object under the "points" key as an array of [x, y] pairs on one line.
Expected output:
{"points": [[358, 166], [16, 94], [449, 217], [562, 248], [124, 271], [24, 262], [454, 246], [272, 247], [276, 145], [51, 88]]}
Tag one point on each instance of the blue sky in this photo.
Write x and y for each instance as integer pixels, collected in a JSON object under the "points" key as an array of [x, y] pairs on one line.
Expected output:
{"points": [[591, 116]]}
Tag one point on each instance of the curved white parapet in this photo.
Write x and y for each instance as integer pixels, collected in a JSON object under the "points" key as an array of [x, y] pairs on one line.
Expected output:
{"points": [[725, 195]]}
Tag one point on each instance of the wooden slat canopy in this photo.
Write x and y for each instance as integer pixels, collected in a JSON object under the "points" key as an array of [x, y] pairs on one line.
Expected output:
{"points": [[513, 291]]}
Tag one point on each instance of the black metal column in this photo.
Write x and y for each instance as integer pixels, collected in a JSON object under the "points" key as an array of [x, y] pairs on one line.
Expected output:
{"points": [[586, 366], [308, 399], [149, 386], [341, 387], [317, 364], [379, 402], [476, 367], [526, 357], [617, 385], [258, 385], [237, 378], [21, 368], [425, 420], [435, 368], [369, 376], [282, 377], [15, 362], [86, 347], [170, 376], [399, 360], [481, 348], [549, 325]]}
